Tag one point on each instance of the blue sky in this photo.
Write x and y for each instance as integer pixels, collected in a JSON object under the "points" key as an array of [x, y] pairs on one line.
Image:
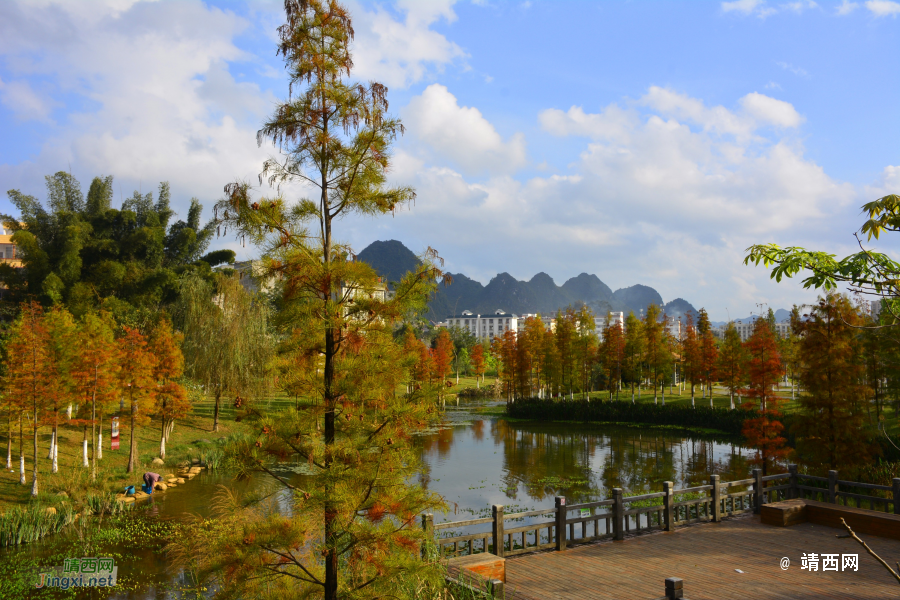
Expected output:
{"points": [[646, 142]]}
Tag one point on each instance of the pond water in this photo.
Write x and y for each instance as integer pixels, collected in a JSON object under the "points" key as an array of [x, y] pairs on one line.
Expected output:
{"points": [[474, 460]]}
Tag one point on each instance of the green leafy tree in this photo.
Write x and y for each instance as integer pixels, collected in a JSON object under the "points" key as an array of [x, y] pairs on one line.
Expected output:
{"points": [[352, 530], [635, 348], [732, 362], [657, 349], [86, 254], [868, 272], [227, 342]]}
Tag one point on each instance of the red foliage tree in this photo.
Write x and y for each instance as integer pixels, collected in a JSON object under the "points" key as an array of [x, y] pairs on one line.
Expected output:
{"points": [[764, 370], [443, 356]]}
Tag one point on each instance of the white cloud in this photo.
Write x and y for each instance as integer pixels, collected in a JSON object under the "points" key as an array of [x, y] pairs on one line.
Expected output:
{"points": [[883, 8], [742, 6], [24, 102], [760, 9], [462, 134], [399, 53], [668, 190], [772, 85], [158, 100], [792, 69], [846, 7], [769, 110], [612, 123], [888, 183]]}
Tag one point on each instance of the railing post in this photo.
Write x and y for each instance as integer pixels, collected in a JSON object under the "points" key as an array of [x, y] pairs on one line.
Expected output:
{"points": [[560, 523], [758, 497], [832, 486], [428, 528], [497, 590], [896, 486], [795, 490], [674, 588], [668, 506], [618, 514], [497, 514], [716, 499]]}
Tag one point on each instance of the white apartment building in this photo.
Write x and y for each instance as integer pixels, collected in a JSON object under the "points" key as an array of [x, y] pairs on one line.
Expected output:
{"points": [[488, 326], [549, 322], [745, 330]]}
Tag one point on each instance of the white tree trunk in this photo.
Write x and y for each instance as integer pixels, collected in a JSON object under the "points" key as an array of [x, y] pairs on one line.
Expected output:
{"points": [[55, 467], [52, 442], [99, 445], [85, 454], [22, 470], [9, 457], [69, 412], [162, 447]]}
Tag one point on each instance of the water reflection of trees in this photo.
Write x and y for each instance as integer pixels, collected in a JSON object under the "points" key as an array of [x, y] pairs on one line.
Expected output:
{"points": [[558, 459]]}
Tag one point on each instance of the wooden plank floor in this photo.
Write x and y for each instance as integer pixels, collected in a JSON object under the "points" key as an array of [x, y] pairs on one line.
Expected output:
{"points": [[705, 556]]}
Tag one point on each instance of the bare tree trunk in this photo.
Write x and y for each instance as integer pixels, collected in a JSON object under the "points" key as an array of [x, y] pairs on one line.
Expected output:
{"points": [[21, 451], [132, 451], [9, 440], [94, 427], [34, 473], [216, 409]]}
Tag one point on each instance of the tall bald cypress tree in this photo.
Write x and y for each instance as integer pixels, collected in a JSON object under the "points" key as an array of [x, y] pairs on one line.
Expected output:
{"points": [[351, 530]]}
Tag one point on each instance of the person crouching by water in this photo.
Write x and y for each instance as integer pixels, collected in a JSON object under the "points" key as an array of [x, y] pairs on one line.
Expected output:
{"points": [[150, 480]]}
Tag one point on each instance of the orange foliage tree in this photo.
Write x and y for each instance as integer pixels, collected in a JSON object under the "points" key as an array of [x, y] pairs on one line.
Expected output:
{"points": [[612, 355], [137, 382], [764, 370], [171, 397], [61, 350], [832, 419], [443, 356], [94, 370], [690, 349], [28, 376]]}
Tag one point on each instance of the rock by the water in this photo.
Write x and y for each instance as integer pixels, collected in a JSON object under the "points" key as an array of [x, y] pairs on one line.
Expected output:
{"points": [[160, 486], [195, 461], [158, 461], [179, 481], [141, 495]]}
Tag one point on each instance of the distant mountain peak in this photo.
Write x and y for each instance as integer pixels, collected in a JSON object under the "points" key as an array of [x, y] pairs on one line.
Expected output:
{"points": [[391, 259]]}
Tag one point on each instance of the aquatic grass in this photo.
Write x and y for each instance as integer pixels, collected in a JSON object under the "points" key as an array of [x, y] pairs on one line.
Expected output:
{"points": [[103, 504], [21, 525], [214, 459]]}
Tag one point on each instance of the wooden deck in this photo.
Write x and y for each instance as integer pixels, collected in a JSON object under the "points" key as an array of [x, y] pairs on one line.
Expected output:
{"points": [[705, 556]]}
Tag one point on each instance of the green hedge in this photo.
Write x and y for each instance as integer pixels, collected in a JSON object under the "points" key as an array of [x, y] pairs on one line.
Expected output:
{"points": [[721, 419]]}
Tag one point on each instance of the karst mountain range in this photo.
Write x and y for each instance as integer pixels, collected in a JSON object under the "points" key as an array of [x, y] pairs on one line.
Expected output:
{"points": [[391, 259]]}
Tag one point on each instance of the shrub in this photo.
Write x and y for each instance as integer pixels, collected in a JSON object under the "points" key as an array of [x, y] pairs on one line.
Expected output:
{"points": [[543, 409]]}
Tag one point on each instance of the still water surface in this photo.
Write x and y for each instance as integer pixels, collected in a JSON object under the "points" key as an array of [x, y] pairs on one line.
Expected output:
{"points": [[476, 460]]}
